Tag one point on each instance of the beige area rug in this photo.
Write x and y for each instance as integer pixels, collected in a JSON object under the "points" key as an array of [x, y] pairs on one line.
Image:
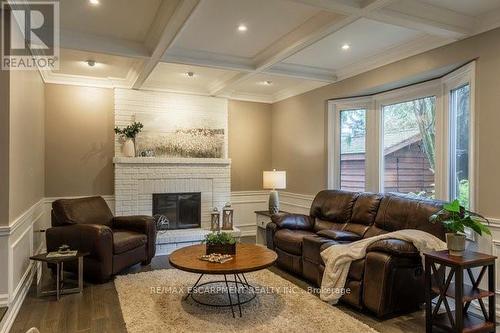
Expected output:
{"points": [[152, 302]]}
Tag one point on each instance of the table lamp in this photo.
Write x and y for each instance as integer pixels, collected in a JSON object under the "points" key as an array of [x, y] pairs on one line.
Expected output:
{"points": [[274, 180]]}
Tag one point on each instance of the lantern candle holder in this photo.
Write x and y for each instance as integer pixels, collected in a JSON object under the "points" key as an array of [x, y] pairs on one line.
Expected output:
{"points": [[227, 217], [215, 220]]}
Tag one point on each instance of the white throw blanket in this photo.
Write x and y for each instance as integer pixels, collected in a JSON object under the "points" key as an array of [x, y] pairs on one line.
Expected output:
{"points": [[338, 258]]}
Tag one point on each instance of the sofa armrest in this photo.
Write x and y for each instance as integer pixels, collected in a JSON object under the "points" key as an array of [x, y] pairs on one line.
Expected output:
{"points": [[271, 229], [93, 238], [339, 235], [142, 224], [394, 247], [293, 221]]}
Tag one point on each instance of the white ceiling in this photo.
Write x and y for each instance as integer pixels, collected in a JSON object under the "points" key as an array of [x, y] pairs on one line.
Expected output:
{"points": [[365, 38], [124, 19], [74, 63], [212, 27], [296, 44]]}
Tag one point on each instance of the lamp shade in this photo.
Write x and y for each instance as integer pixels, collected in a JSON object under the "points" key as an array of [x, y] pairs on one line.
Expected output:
{"points": [[274, 180]]}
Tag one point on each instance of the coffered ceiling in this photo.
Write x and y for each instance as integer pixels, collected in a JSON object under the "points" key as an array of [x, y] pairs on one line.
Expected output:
{"points": [[259, 50]]}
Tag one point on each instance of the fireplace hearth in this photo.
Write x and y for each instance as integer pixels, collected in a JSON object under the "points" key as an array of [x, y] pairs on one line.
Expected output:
{"points": [[177, 210]]}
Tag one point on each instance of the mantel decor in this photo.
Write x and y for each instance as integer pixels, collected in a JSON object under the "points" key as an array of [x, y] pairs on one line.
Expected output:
{"points": [[128, 134]]}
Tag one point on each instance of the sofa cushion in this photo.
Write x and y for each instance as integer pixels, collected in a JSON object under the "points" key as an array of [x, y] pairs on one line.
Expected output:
{"points": [[365, 208], [333, 206], [398, 212], [311, 248], [124, 240], [339, 235], [291, 240]]}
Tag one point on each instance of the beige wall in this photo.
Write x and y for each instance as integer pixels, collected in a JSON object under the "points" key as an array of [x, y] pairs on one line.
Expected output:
{"points": [[299, 126], [4, 147], [26, 157], [249, 144], [79, 141]]}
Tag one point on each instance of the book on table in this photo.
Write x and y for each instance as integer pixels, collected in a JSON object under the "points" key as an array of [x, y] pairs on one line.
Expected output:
{"points": [[62, 254]]}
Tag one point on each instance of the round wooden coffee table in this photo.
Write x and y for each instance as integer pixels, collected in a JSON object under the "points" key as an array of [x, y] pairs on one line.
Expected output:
{"points": [[248, 258]]}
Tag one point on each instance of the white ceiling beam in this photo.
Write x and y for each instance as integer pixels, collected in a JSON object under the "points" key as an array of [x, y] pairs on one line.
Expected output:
{"points": [[427, 18], [176, 21], [371, 5], [74, 40], [313, 30], [346, 7], [241, 64], [207, 59], [302, 72], [412, 14]]}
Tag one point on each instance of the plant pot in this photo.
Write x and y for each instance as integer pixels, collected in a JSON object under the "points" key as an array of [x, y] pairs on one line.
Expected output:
{"points": [[129, 148], [221, 248], [456, 244]]}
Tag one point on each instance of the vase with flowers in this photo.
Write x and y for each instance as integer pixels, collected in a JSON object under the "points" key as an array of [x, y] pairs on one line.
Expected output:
{"points": [[128, 134]]}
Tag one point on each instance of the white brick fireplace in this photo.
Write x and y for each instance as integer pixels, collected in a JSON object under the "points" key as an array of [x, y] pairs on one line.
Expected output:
{"points": [[136, 179]]}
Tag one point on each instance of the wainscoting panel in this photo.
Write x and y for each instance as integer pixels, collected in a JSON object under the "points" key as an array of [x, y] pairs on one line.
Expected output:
{"points": [[245, 203], [18, 240], [295, 203]]}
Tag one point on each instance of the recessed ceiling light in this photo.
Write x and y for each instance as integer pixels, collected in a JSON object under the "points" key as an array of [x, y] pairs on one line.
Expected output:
{"points": [[242, 28], [190, 74], [94, 2], [91, 63], [346, 47]]}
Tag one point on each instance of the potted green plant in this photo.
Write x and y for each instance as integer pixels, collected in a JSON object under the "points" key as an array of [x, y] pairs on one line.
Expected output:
{"points": [[128, 134], [455, 218], [220, 242]]}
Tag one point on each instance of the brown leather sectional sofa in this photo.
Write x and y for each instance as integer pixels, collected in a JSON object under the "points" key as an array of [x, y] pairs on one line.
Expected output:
{"points": [[390, 279], [113, 243]]}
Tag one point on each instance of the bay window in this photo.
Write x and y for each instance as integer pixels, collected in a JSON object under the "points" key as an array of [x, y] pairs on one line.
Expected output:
{"points": [[416, 140]]}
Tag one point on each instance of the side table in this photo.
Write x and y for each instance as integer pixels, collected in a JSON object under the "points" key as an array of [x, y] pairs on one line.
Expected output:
{"points": [[263, 217], [437, 282], [59, 262]]}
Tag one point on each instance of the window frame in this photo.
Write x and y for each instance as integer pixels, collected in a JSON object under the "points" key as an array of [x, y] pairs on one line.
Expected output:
{"points": [[457, 79], [374, 165], [334, 110]]}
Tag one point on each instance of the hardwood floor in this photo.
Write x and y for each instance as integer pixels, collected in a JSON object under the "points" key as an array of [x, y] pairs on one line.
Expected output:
{"points": [[97, 309]]}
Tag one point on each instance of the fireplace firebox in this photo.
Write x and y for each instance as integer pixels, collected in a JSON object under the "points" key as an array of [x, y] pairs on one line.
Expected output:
{"points": [[177, 210]]}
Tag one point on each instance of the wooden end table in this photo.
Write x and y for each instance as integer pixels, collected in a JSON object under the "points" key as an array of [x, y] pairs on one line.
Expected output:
{"points": [[437, 282], [59, 262], [248, 258]]}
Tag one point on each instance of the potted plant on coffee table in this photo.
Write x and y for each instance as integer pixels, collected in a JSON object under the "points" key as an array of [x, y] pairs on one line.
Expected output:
{"points": [[455, 218], [128, 134], [220, 242]]}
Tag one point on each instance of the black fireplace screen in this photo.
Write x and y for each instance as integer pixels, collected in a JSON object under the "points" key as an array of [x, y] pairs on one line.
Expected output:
{"points": [[177, 210]]}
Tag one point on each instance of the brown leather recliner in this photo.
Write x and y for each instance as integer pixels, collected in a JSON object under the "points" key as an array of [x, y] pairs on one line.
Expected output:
{"points": [[390, 278], [114, 243]]}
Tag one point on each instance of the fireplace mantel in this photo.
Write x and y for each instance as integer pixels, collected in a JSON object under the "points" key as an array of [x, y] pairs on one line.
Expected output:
{"points": [[169, 160]]}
